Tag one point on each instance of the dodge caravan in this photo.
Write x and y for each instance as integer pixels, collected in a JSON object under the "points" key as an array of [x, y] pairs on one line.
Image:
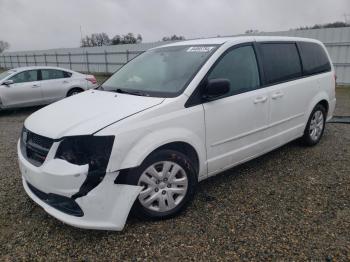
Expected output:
{"points": [[171, 117]]}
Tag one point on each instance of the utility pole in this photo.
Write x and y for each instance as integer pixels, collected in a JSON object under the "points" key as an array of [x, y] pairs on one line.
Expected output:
{"points": [[81, 35], [85, 53]]}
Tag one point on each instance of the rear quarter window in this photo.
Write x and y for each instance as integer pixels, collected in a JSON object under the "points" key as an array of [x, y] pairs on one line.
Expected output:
{"points": [[67, 74], [281, 62], [314, 58]]}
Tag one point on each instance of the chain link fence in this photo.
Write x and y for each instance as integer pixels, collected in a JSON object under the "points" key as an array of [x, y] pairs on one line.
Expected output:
{"points": [[97, 62]]}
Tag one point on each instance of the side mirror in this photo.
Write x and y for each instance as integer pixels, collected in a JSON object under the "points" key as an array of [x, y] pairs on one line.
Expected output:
{"points": [[216, 88], [7, 83]]}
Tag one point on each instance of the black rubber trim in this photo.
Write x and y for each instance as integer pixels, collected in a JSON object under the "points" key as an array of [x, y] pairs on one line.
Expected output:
{"points": [[121, 178], [61, 203]]}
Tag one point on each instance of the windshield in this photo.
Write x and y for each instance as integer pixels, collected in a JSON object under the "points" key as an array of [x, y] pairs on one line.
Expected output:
{"points": [[5, 74], [162, 72]]}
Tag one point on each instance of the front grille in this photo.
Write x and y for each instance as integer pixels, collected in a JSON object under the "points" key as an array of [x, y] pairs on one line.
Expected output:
{"points": [[35, 147], [61, 203]]}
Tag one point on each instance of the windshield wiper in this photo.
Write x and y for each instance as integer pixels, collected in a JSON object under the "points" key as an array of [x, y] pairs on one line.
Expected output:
{"points": [[135, 93]]}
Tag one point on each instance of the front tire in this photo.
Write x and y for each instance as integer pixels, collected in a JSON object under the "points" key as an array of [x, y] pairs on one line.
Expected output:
{"points": [[315, 126], [169, 182]]}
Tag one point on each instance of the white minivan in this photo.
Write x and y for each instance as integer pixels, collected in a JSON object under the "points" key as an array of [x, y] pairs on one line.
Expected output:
{"points": [[173, 116]]}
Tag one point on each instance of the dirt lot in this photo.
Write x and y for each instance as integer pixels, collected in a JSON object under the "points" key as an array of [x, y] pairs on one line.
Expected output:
{"points": [[291, 204]]}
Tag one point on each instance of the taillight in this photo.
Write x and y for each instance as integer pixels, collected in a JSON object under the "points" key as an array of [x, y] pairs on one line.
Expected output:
{"points": [[335, 80], [91, 79]]}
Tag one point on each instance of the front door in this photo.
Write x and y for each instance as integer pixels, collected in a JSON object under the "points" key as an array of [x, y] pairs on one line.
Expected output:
{"points": [[235, 124], [24, 91]]}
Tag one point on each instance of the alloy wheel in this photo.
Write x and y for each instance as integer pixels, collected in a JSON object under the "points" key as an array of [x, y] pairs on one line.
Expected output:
{"points": [[316, 125]]}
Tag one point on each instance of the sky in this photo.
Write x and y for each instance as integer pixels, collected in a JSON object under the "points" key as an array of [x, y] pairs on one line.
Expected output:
{"points": [[46, 24]]}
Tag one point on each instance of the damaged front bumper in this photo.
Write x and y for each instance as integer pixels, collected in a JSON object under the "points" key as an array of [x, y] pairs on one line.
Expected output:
{"points": [[52, 185]]}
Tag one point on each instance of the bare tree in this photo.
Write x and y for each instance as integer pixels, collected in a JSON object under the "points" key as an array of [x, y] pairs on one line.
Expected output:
{"points": [[97, 39], [139, 38], [101, 39], [252, 31], [3, 46]]}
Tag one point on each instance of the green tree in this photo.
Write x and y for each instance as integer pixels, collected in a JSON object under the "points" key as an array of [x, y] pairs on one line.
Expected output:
{"points": [[126, 39], [173, 38]]}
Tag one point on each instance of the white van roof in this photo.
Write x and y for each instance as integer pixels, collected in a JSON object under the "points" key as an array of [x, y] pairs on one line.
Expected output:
{"points": [[222, 40]]}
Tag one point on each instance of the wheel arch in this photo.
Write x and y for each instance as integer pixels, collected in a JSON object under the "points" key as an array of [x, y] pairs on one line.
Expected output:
{"points": [[184, 148], [325, 104], [321, 98], [74, 88], [181, 140]]}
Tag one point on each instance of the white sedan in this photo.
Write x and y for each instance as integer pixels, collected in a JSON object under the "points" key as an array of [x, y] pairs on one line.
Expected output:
{"points": [[40, 85]]}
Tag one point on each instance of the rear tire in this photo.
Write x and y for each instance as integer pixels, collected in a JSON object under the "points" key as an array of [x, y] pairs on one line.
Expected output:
{"points": [[315, 126], [74, 91], [169, 182]]}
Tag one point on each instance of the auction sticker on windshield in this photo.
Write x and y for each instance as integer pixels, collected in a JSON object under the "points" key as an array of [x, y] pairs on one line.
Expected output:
{"points": [[200, 49]]}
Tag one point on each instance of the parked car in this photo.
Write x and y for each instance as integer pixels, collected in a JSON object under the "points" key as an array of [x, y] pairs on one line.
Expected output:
{"points": [[173, 116], [40, 85]]}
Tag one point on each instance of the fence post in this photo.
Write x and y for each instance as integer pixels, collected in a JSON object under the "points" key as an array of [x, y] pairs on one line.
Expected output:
{"points": [[127, 55], [26, 59], [11, 61], [34, 56], [45, 59], [70, 61], [87, 61], [56, 59], [18, 62], [106, 61]]}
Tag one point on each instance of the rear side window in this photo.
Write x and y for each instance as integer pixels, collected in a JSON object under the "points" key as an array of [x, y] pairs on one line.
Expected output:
{"points": [[26, 76], [281, 62], [67, 74], [239, 66], [314, 58], [47, 74]]}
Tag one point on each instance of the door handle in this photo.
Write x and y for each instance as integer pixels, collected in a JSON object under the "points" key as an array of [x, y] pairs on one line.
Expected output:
{"points": [[35, 86], [260, 99], [277, 95], [65, 82]]}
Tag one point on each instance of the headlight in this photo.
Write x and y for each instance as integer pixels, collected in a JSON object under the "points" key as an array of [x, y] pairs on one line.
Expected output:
{"points": [[82, 150], [92, 150]]}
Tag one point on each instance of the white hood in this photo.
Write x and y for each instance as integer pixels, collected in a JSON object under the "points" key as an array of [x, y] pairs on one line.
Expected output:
{"points": [[86, 113]]}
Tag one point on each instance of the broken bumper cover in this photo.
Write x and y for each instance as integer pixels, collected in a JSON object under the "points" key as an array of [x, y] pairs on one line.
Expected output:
{"points": [[105, 207]]}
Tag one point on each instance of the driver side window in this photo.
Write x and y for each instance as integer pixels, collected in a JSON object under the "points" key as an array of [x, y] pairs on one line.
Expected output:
{"points": [[26, 76], [239, 66]]}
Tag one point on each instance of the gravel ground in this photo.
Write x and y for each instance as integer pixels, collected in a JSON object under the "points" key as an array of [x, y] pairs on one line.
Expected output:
{"points": [[291, 204]]}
